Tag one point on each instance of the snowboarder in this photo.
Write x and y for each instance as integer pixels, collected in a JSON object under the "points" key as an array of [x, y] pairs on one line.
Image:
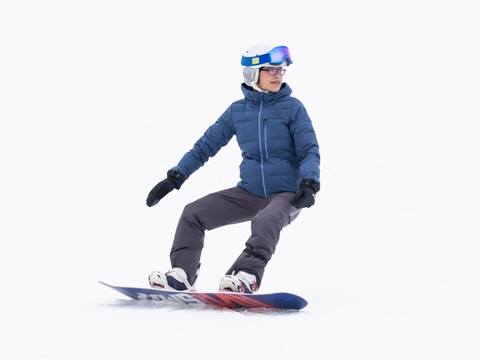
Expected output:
{"points": [[280, 174]]}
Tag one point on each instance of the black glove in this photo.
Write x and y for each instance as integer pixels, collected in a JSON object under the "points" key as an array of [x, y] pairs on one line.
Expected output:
{"points": [[174, 180], [305, 196]]}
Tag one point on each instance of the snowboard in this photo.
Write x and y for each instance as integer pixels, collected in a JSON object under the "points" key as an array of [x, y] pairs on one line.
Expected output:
{"points": [[221, 299]]}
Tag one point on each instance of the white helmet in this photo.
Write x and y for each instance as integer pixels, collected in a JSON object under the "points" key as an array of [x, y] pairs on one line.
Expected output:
{"points": [[258, 56]]}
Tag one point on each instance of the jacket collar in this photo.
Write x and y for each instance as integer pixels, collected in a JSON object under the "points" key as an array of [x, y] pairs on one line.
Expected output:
{"points": [[253, 96]]}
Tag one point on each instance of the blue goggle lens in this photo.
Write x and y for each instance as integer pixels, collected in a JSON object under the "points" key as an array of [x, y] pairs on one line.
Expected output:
{"points": [[280, 54]]}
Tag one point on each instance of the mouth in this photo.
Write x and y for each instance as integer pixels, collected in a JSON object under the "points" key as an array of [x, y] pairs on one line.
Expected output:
{"points": [[276, 83]]}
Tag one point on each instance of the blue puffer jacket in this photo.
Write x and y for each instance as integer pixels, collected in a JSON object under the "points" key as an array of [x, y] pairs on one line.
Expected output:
{"points": [[276, 136]]}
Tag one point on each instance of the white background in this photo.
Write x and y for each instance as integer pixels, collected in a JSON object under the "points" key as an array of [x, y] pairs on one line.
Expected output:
{"points": [[98, 99]]}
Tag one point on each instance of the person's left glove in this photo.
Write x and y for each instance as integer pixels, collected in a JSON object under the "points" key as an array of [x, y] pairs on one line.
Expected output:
{"points": [[305, 196], [174, 180]]}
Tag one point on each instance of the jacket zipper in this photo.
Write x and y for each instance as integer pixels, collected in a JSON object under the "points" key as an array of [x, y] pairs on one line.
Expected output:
{"points": [[260, 146], [265, 136]]}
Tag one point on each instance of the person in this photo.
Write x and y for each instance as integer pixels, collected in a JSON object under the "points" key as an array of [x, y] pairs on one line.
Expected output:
{"points": [[279, 175]]}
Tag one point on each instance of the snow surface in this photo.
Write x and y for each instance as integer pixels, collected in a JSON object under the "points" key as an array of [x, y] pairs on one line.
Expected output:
{"points": [[99, 98]]}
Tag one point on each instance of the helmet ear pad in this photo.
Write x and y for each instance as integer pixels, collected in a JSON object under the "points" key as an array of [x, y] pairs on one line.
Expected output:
{"points": [[250, 75]]}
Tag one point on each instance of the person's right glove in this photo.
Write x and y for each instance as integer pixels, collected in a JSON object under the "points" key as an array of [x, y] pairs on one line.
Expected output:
{"points": [[305, 196], [174, 180]]}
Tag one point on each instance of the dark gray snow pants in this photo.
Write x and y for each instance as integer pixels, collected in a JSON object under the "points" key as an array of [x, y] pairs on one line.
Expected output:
{"points": [[231, 206]]}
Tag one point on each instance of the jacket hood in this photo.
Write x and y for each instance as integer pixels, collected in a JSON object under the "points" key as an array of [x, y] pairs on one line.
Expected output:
{"points": [[254, 96]]}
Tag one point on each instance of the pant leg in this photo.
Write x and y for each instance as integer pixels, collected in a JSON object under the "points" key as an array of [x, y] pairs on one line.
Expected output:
{"points": [[266, 226], [230, 206]]}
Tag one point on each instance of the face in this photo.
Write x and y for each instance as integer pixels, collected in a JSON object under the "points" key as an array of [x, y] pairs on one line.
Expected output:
{"points": [[270, 78]]}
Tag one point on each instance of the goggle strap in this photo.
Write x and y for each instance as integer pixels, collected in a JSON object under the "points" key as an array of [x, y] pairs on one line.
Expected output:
{"points": [[256, 60]]}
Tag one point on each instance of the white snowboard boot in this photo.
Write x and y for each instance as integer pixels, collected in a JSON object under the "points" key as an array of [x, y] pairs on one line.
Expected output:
{"points": [[240, 282], [174, 279]]}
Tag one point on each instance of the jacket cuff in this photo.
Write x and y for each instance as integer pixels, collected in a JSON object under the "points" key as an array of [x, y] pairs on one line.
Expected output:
{"points": [[312, 184]]}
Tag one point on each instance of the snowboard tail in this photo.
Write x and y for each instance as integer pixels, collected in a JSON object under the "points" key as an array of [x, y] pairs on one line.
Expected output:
{"points": [[230, 300]]}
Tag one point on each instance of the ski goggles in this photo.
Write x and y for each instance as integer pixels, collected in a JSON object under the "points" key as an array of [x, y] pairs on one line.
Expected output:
{"points": [[276, 56]]}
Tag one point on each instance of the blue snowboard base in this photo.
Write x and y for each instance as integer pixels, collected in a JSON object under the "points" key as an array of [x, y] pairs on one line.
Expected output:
{"points": [[230, 300]]}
